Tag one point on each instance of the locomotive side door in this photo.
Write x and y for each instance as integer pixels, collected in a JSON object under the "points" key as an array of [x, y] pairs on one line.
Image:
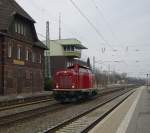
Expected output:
{"points": [[80, 75]]}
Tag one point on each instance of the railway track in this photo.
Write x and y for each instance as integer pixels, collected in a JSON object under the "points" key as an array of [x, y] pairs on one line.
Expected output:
{"points": [[22, 102], [29, 114], [87, 120], [10, 101], [52, 106], [25, 104]]}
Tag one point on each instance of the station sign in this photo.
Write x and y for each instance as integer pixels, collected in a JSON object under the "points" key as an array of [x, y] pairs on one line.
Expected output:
{"points": [[18, 62]]}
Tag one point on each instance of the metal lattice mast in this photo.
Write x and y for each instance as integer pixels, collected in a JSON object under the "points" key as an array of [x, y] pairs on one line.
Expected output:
{"points": [[59, 26], [48, 65], [93, 64]]}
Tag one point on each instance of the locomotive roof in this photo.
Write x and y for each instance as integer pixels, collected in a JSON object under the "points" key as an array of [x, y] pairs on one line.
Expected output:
{"points": [[85, 67]]}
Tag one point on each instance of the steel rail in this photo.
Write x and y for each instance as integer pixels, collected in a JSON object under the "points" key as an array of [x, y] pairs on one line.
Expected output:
{"points": [[65, 123], [26, 104], [28, 114], [94, 123], [39, 111]]}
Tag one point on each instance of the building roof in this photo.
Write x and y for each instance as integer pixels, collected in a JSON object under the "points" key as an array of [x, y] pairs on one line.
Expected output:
{"points": [[72, 41], [38, 43], [41, 45], [9, 8]]}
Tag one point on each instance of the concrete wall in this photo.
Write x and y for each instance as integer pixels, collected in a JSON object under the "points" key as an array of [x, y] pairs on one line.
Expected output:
{"points": [[55, 49]]}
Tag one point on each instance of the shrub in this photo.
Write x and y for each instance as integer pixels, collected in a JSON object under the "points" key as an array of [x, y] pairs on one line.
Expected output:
{"points": [[48, 84]]}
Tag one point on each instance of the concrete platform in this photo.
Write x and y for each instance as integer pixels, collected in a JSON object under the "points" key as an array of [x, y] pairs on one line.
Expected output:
{"points": [[132, 116]]}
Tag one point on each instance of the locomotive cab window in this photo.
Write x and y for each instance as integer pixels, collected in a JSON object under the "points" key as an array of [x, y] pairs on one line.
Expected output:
{"points": [[83, 70]]}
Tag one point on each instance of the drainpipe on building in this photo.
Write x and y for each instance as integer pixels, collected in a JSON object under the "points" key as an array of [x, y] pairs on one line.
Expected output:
{"points": [[3, 47]]}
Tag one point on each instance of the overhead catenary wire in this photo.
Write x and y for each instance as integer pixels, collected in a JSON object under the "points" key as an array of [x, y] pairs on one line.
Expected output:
{"points": [[98, 32], [104, 18], [74, 33], [86, 17], [100, 12], [90, 23], [106, 22]]}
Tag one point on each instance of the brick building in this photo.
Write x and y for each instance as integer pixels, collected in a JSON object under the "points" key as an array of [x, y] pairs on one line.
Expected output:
{"points": [[21, 53]]}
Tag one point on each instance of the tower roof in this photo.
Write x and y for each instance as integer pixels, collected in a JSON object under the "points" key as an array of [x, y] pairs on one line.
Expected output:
{"points": [[70, 41]]}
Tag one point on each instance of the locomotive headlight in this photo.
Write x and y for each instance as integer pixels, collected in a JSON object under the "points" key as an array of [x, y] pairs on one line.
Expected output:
{"points": [[73, 85], [65, 71], [57, 86]]}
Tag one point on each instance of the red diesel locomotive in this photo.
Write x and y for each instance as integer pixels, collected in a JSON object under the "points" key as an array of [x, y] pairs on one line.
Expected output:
{"points": [[75, 83]]}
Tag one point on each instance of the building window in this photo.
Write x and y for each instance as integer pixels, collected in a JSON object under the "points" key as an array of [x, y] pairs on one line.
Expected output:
{"points": [[18, 53], [40, 60], [27, 54], [24, 30], [9, 51], [33, 57], [20, 28], [16, 27], [68, 48], [72, 48], [65, 48]]}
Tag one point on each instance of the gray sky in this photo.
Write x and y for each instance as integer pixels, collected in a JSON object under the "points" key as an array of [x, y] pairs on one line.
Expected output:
{"points": [[125, 25]]}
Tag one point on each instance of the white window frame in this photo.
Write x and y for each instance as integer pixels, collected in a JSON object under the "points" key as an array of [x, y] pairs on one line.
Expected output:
{"points": [[27, 54], [19, 28], [9, 50], [22, 29], [33, 57], [16, 27], [40, 60], [18, 53]]}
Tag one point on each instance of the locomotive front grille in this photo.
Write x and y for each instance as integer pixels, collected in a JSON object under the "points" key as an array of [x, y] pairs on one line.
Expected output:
{"points": [[66, 81]]}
